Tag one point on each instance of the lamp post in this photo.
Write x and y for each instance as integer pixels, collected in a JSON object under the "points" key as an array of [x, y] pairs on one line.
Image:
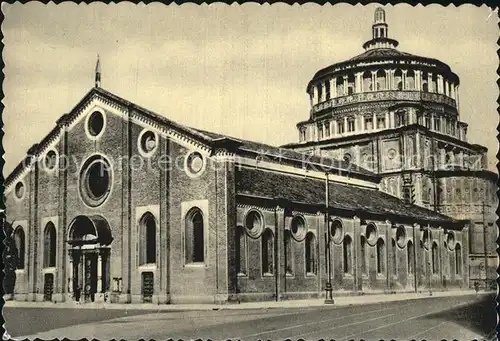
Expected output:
{"points": [[328, 287], [485, 241], [427, 246], [430, 278]]}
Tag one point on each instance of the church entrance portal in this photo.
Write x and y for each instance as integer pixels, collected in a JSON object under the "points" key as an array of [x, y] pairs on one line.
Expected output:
{"points": [[89, 251]]}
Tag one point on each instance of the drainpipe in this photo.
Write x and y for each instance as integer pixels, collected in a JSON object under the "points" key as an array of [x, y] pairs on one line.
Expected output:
{"points": [[275, 247], [216, 242], [485, 240]]}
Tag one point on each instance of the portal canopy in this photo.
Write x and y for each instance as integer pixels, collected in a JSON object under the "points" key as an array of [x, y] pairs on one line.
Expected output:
{"points": [[89, 230]]}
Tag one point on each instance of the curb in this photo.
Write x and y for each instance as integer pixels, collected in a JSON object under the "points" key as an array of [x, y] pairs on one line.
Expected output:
{"points": [[340, 301]]}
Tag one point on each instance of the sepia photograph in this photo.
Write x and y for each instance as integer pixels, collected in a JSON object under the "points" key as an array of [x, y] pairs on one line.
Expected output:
{"points": [[250, 172]]}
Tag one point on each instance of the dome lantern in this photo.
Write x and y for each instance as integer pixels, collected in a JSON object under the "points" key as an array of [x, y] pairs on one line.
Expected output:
{"points": [[380, 37]]}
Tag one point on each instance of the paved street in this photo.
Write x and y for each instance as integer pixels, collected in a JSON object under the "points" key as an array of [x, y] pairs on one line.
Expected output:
{"points": [[433, 318]]}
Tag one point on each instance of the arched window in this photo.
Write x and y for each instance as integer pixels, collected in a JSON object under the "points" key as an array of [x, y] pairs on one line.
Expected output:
{"points": [[435, 259], [147, 235], [327, 90], [394, 257], [288, 252], [380, 256], [310, 253], [411, 257], [367, 81], [340, 87], [451, 259], [458, 260], [444, 259], [347, 246], [381, 80], [49, 246], [20, 244], [195, 237], [241, 251], [364, 268], [267, 252], [425, 87], [398, 79], [410, 80]]}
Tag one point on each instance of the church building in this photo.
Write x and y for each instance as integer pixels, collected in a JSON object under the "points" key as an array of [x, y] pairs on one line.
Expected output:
{"points": [[119, 204], [397, 115]]}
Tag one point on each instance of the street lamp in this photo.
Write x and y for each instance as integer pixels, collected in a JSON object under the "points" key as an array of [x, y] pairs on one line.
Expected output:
{"points": [[427, 241], [328, 287], [430, 281]]}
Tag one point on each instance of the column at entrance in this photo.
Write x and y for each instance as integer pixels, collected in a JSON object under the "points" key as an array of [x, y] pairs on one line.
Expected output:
{"points": [[88, 282], [99, 272], [75, 285]]}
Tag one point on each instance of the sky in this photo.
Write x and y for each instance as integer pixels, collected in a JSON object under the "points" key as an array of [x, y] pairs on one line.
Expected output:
{"points": [[240, 70]]}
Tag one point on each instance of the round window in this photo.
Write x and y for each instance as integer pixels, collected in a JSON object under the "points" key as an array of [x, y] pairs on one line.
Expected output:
{"points": [[391, 153], [371, 234], [148, 142], [347, 158], [401, 236], [51, 160], [19, 190], [336, 231], [95, 123], [254, 223], [298, 228], [195, 163], [95, 181]]}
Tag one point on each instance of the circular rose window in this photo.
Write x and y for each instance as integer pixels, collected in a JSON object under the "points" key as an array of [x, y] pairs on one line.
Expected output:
{"points": [[371, 234], [194, 163], [401, 236], [95, 123], [336, 231], [254, 223], [19, 190], [298, 228], [95, 181], [147, 142], [391, 153], [50, 160]]}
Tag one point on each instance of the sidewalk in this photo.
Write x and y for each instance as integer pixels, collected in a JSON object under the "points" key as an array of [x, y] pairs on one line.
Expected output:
{"points": [[340, 301]]}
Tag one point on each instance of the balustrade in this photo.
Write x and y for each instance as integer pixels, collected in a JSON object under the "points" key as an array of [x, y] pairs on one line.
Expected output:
{"points": [[387, 95]]}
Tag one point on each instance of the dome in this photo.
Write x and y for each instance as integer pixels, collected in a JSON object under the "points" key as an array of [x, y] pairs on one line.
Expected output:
{"points": [[382, 51], [382, 89]]}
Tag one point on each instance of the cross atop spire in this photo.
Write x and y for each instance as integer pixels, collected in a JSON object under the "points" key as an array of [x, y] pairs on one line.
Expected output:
{"points": [[98, 73]]}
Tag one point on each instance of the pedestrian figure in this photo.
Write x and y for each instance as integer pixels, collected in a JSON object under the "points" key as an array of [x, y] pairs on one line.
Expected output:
{"points": [[476, 287]]}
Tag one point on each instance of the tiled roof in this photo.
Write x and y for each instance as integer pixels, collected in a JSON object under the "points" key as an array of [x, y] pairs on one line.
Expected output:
{"points": [[302, 190], [273, 153], [381, 53], [378, 54], [264, 151]]}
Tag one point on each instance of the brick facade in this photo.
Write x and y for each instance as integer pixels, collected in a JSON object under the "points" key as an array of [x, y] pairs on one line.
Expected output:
{"points": [[159, 185]]}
